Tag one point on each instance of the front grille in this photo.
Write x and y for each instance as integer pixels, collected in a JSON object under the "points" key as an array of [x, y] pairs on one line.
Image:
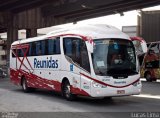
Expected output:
{"points": [[120, 76]]}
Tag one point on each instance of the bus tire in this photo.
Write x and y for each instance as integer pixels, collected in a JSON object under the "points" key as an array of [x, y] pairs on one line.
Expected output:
{"points": [[66, 91], [148, 77], [25, 87]]}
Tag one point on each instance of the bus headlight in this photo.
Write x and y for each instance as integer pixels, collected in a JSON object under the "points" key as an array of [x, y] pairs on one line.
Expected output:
{"points": [[97, 85], [137, 83]]}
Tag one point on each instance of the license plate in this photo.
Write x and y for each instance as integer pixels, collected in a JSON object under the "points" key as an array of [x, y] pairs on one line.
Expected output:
{"points": [[120, 91]]}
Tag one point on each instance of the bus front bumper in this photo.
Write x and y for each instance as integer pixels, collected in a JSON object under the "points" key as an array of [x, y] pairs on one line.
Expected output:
{"points": [[106, 91]]}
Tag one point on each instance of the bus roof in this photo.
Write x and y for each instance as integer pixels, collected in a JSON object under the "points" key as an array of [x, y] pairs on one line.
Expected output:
{"points": [[95, 31]]}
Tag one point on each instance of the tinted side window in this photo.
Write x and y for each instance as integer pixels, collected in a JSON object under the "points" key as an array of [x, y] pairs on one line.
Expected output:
{"points": [[67, 44], [84, 57], [76, 49], [19, 53], [72, 48], [38, 48], [32, 49], [43, 47], [14, 50], [53, 46]]}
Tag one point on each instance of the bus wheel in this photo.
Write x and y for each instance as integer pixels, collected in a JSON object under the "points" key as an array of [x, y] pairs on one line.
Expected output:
{"points": [[66, 89], [25, 88], [148, 77]]}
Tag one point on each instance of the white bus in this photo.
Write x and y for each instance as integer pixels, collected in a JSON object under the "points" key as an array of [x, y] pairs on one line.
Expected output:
{"points": [[90, 60]]}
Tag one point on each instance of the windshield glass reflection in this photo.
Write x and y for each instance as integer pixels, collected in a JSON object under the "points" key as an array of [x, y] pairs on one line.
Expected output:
{"points": [[114, 56]]}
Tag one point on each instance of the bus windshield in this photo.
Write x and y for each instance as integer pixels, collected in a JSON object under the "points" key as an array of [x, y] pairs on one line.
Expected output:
{"points": [[114, 57]]}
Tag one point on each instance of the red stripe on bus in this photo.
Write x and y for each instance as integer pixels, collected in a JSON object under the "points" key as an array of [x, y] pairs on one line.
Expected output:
{"points": [[39, 82], [105, 84]]}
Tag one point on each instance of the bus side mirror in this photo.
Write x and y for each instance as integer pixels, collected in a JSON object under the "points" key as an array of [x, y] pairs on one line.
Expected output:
{"points": [[140, 45], [89, 46]]}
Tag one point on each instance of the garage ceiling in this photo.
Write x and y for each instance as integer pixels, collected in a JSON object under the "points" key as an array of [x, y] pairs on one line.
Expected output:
{"points": [[71, 10]]}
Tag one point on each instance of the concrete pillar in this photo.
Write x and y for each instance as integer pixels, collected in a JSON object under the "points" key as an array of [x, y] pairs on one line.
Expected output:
{"points": [[31, 33], [12, 32], [12, 35]]}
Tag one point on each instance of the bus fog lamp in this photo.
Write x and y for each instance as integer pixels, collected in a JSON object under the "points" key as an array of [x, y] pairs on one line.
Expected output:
{"points": [[137, 83]]}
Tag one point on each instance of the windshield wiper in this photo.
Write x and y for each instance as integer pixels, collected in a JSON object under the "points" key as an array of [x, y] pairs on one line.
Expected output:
{"points": [[133, 71], [121, 71]]}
